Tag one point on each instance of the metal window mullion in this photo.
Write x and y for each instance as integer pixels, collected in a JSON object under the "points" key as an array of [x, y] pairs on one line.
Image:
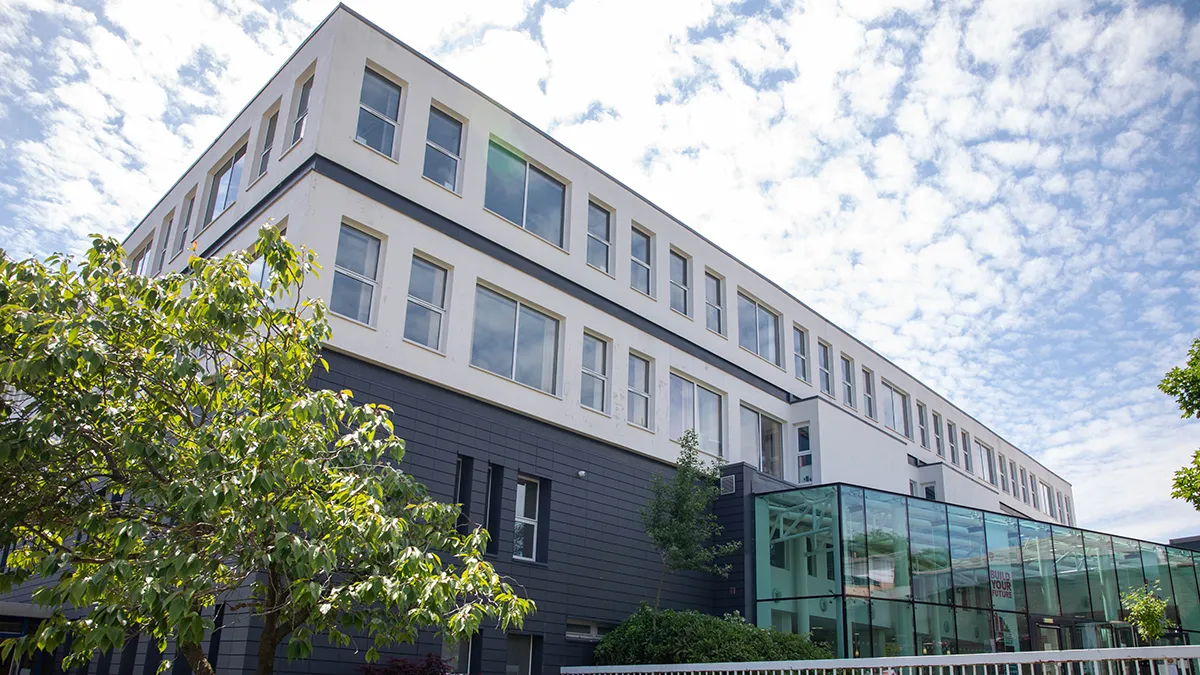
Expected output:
{"points": [[525, 197], [512, 374], [440, 149], [427, 305], [354, 275], [368, 108]]}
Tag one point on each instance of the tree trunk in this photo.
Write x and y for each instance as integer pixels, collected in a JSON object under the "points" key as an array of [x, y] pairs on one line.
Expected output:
{"points": [[267, 643], [661, 576], [196, 658]]}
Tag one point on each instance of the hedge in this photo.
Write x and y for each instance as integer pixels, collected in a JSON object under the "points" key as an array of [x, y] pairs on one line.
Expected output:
{"points": [[669, 636]]}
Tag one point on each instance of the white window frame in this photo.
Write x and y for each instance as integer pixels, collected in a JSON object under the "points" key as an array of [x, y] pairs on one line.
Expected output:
{"points": [[648, 394], [800, 353], [762, 307], [165, 240], [458, 160], [606, 243], [1033, 489], [952, 441], [968, 458], [717, 303], [647, 264], [592, 635], [987, 460], [825, 367], [1070, 512], [440, 311], [889, 391], [585, 372], [270, 130], [696, 412], [938, 441], [373, 283], [912, 488], [537, 509], [395, 123], [758, 447], [802, 455], [185, 222], [1024, 486], [1058, 497], [869, 407], [304, 98], [563, 222], [1003, 466], [685, 286], [923, 425], [512, 374], [1012, 477], [212, 210], [849, 393], [137, 261]]}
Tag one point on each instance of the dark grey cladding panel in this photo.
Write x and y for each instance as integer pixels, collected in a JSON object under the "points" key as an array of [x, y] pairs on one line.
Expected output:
{"points": [[599, 563]]}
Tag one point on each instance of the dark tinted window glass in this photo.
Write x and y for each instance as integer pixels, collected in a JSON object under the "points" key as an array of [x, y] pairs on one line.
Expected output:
{"points": [[445, 130], [544, 214]]}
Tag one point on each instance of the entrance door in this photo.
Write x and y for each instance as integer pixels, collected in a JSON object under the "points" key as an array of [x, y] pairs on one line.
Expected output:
{"points": [[1049, 638]]}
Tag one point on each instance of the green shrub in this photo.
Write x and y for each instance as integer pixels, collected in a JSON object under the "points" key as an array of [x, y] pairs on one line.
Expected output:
{"points": [[668, 636]]}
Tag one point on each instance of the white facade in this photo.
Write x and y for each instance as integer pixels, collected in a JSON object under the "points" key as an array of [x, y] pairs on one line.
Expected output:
{"points": [[356, 185]]}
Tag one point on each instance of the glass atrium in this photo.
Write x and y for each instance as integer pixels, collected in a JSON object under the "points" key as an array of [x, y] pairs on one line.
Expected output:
{"points": [[880, 574]]}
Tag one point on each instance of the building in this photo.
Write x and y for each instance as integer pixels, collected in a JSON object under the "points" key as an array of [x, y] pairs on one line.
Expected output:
{"points": [[544, 333]]}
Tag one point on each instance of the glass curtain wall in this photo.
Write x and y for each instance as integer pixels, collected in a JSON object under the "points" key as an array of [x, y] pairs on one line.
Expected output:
{"points": [[876, 574]]}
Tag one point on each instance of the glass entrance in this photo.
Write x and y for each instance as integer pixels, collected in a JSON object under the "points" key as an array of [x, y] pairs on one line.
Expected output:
{"points": [[1049, 638]]}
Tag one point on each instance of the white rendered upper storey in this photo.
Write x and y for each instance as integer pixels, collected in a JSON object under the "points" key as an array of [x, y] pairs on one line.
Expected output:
{"points": [[439, 216]]}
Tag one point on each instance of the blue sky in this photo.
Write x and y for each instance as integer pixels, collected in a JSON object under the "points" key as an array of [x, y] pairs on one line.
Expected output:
{"points": [[1001, 196]]}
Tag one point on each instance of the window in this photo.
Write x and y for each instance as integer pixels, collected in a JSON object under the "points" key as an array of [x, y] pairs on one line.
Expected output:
{"points": [[525, 529], [354, 272], [804, 450], [696, 407], [1059, 498], [464, 474], [1033, 490], [1045, 499], [520, 655], [937, 436], [226, 180], [968, 462], [492, 504], [164, 240], [639, 410], [639, 260], [930, 491], [1003, 473], [514, 341], [680, 284], [525, 195], [912, 488], [987, 460], [1024, 487], [825, 367], [758, 329], [952, 434], [922, 425], [800, 352], [594, 388], [137, 261], [1068, 513], [765, 436], [268, 142], [302, 109], [599, 236], [848, 396], [714, 303], [895, 409], [869, 393], [378, 111], [458, 654], [185, 222], [585, 630], [1012, 477], [426, 304], [443, 149]]}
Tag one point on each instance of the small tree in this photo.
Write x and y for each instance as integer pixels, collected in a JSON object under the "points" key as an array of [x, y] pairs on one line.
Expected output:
{"points": [[1184, 384], [162, 452], [1147, 612], [678, 516]]}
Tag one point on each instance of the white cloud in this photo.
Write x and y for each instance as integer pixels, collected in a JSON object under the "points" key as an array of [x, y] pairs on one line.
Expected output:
{"points": [[1000, 195]]}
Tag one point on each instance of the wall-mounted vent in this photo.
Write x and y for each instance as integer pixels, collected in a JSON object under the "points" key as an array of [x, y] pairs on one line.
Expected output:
{"points": [[728, 484]]}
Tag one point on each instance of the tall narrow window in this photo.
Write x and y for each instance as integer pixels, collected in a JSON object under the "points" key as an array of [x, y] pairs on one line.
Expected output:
{"points": [[1024, 487], [378, 112], [848, 395], [714, 303], [696, 407], [937, 436], [1033, 490], [514, 341], [952, 434], [185, 223], [524, 194], [869, 393], [354, 274], [923, 425], [764, 436], [599, 235], [825, 367], [525, 529], [164, 240], [1012, 477], [594, 389], [895, 409], [758, 329], [680, 283], [1003, 464], [137, 262], [1069, 513], [443, 149], [302, 110], [639, 409], [426, 304], [264, 157], [639, 260], [804, 450], [800, 351], [225, 184], [1058, 496]]}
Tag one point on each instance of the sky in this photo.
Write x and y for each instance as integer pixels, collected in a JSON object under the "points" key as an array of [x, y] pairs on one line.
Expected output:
{"points": [[1001, 196]]}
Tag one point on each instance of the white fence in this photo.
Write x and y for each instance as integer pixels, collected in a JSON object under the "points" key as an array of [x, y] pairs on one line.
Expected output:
{"points": [[1125, 661]]}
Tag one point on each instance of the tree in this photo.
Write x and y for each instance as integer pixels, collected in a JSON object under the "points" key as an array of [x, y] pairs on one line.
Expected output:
{"points": [[1147, 612], [1184, 384], [163, 454], [678, 516]]}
